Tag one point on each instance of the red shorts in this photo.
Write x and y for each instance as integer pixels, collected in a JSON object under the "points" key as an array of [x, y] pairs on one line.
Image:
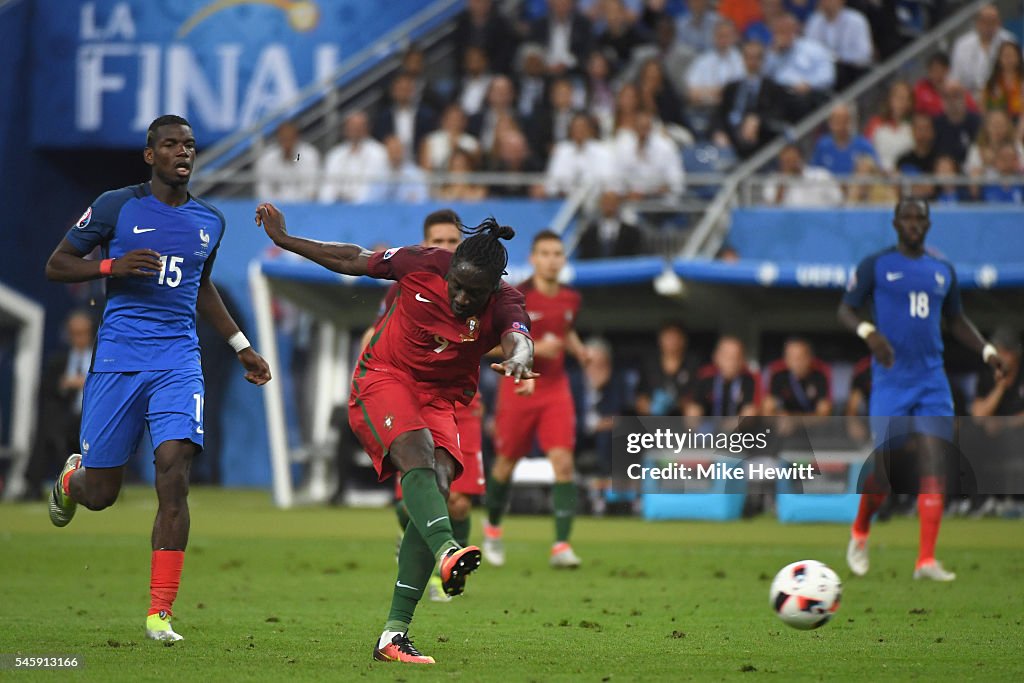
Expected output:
{"points": [[383, 406], [549, 414], [472, 481]]}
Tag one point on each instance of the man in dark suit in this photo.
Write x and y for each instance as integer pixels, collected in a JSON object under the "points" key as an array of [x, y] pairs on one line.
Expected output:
{"points": [[749, 115], [566, 35], [482, 26], [60, 401], [609, 236], [403, 117]]}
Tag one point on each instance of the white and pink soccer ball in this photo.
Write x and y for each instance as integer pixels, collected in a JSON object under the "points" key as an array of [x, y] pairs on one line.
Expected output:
{"points": [[805, 594]]}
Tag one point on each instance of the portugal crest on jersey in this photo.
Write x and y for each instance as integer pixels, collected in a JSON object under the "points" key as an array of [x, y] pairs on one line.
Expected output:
{"points": [[473, 324]]}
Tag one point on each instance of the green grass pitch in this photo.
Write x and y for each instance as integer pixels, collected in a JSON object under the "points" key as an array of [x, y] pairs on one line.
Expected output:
{"points": [[272, 595]]}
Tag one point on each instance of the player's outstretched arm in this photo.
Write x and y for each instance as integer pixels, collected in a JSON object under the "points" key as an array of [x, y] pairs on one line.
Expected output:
{"points": [[964, 331], [347, 259], [865, 329], [68, 264], [212, 308], [518, 351]]}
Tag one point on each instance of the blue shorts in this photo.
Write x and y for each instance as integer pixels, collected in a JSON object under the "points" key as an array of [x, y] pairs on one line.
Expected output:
{"points": [[117, 406], [918, 405]]}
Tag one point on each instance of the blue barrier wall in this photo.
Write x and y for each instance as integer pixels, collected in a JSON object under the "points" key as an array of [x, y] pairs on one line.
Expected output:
{"points": [[972, 235]]}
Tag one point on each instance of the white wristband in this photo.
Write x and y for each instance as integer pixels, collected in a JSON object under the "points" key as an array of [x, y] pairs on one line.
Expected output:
{"points": [[865, 329], [238, 342], [988, 352]]}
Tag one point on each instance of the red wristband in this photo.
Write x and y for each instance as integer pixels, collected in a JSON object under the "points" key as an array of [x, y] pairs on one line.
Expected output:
{"points": [[106, 267]]}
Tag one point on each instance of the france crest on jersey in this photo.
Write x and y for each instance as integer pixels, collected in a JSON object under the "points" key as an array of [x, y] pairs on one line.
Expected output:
{"points": [[149, 323]]}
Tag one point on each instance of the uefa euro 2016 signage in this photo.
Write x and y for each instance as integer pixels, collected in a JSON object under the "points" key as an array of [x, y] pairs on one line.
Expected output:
{"points": [[105, 68]]}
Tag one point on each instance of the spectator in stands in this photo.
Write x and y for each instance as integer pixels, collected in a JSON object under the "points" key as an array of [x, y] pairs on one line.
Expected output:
{"points": [[847, 35], [760, 30], [928, 89], [837, 150], [800, 65], [459, 187], [657, 94], [351, 167], [975, 52], [889, 131], [288, 171], [996, 130], [666, 382], [697, 27], [531, 81], [566, 35], [1004, 186], [877, 192], [948, 192], [673, 56], [60, 401], [727, 387], [414, 64], [627, 106], [610, 235], [798, 383], [550, 125], [957, 127], [920, 160], [403, 181], [1003, 88], [481, 25], [748, 116], [858, 401], [801, 186], [621, 35], [436, 149], [578, 161], [715, 68], [501, 97], [742, 13], [649, 161], [600, 93], [404, 118], [513, 155], [476, 81]]}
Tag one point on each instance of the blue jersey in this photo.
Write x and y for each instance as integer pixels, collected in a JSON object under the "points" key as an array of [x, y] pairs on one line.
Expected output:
{"points": [[149, 323], [909, 296]]}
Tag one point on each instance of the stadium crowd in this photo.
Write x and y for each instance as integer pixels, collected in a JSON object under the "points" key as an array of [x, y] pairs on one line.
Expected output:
{"points": [[612, 91]]}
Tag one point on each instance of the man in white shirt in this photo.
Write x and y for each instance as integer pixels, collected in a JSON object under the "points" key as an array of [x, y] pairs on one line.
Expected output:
{"points": [[807, 186], [697, 27], [352, 166], [651, 165], [847, 35], [405, 182], [974, 52], [288, 171], [712, 70], [578, 161]]}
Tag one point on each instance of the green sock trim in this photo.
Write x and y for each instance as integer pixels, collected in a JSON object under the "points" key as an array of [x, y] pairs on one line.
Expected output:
{"points": [[497, 499], [401, 626], [428, 509], [563, 496], [460, 529]]}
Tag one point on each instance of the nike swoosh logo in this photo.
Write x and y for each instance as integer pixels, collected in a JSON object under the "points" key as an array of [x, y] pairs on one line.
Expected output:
{"points": [[405, 585], [419, 297], [138, 231], [892, 277], [435, 521]]}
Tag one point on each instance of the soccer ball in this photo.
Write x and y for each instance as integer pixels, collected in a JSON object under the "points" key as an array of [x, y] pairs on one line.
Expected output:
{"points": [[805, 594]]}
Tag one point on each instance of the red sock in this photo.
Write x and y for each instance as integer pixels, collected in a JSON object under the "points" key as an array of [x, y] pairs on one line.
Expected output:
{"points": [[929, 509], [164, 577], [869, 504], [65, 483]]}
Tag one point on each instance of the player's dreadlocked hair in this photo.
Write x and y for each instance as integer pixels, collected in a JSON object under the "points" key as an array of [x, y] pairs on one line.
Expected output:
{"points": [[483, 247], [165, 120]]}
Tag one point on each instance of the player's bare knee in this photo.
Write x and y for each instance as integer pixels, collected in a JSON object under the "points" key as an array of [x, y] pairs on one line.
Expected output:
{"points": [[458, 506], [413, 450], [503, 466], [561, 463], [101, 499]]}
